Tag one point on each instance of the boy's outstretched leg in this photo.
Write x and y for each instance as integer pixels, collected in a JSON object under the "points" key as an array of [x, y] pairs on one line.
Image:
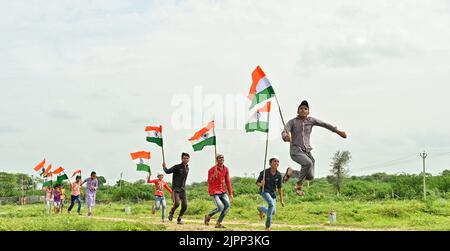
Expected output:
{"points": [[176, 204], [183, 207]]}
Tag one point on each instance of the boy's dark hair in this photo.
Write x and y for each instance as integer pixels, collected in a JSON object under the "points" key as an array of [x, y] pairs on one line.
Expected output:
{"points": [[303, 103], [271, 159], [92, 173], [185, 154], [78, 177]]}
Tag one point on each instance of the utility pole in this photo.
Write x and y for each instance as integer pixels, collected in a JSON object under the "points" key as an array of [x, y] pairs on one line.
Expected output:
{"points": [[120, 185], [424, 156], [22, 199]]}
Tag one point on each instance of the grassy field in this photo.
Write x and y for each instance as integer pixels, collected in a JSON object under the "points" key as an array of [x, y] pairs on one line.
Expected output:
{"points": [[297, 215]]}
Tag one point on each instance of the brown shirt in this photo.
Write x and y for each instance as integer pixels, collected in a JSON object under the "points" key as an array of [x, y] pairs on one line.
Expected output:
{"points": [[301, 129]]}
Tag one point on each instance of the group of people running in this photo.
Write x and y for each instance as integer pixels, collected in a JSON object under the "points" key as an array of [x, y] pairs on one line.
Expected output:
{"points": [[55, 195], [297, 131]]}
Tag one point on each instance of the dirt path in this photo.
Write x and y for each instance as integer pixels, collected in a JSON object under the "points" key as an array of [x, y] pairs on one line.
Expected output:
{"points": [[198, 225]]}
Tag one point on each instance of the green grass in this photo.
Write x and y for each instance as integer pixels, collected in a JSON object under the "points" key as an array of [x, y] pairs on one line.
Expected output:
{"points": [[311, 215]]}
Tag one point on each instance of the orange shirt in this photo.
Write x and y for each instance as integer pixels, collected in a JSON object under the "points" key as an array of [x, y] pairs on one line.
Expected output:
{"points": [[75, 189], [159, 186]]}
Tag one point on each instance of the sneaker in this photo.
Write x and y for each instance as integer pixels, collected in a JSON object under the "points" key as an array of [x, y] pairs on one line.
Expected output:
{"points": [[79, 213], [261, 214], [89, 214], [153, 210], [68, 211], [207, 219], [170, 217], [287, 175], [218, 225], [179, 222], [267, 229]]}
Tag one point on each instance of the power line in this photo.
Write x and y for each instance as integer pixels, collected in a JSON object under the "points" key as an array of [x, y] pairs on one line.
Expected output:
{"points": [[405, 159], [441, 154]]}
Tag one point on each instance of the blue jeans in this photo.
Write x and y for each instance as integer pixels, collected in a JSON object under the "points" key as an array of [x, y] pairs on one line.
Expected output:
{"points": [[223, 205], [270, 211], [72, 202], [160, 201]]}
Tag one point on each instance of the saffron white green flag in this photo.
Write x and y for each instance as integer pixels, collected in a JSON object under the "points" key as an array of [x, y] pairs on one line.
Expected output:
{"points": [[259, 119], [261, 89], [154, 134], [204, 137], [47, 183], [142, 160]]}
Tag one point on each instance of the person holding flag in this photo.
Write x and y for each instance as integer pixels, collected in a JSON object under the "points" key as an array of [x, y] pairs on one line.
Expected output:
{"points": [[47, 187], [219, 175], [160, 199], [91, 191], [57, 198], [298, 131], [63, 198], [180, 173], [48, 197], [269, 181], [75, 196]]}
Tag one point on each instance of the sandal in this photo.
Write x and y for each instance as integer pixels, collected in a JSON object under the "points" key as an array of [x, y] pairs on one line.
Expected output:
{"points": [[286, 176], [300, 192]]}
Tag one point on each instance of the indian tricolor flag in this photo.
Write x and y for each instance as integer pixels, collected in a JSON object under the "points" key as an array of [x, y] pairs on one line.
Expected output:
{"points": [[47, 183], [76, 172], [154, 134], [47, 172], [204, 137], [259, 119], [58, 170], [261, 88], [142, 160], [39, 166]]}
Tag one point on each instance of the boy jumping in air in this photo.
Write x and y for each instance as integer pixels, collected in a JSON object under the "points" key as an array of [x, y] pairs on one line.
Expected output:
{"points": [[297, 132]]}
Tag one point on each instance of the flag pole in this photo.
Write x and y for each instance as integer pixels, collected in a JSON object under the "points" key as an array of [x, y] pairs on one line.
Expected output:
{"points": [[279, 110], [215, 145], [162, 146], [62, 202], [265, 153]]}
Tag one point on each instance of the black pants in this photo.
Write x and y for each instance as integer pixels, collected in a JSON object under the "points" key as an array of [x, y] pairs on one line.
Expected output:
{"points": [[176, 197]]}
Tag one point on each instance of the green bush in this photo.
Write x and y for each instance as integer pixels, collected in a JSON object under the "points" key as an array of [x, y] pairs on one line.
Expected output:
{"points": [[367, 190]]}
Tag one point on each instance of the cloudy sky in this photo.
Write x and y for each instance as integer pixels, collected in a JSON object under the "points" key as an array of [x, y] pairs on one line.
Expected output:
{"points": [[81, 79]]}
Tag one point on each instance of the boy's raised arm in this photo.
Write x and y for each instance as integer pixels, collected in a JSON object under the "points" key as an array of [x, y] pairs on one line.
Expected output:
{"points": [[330, 127]]}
